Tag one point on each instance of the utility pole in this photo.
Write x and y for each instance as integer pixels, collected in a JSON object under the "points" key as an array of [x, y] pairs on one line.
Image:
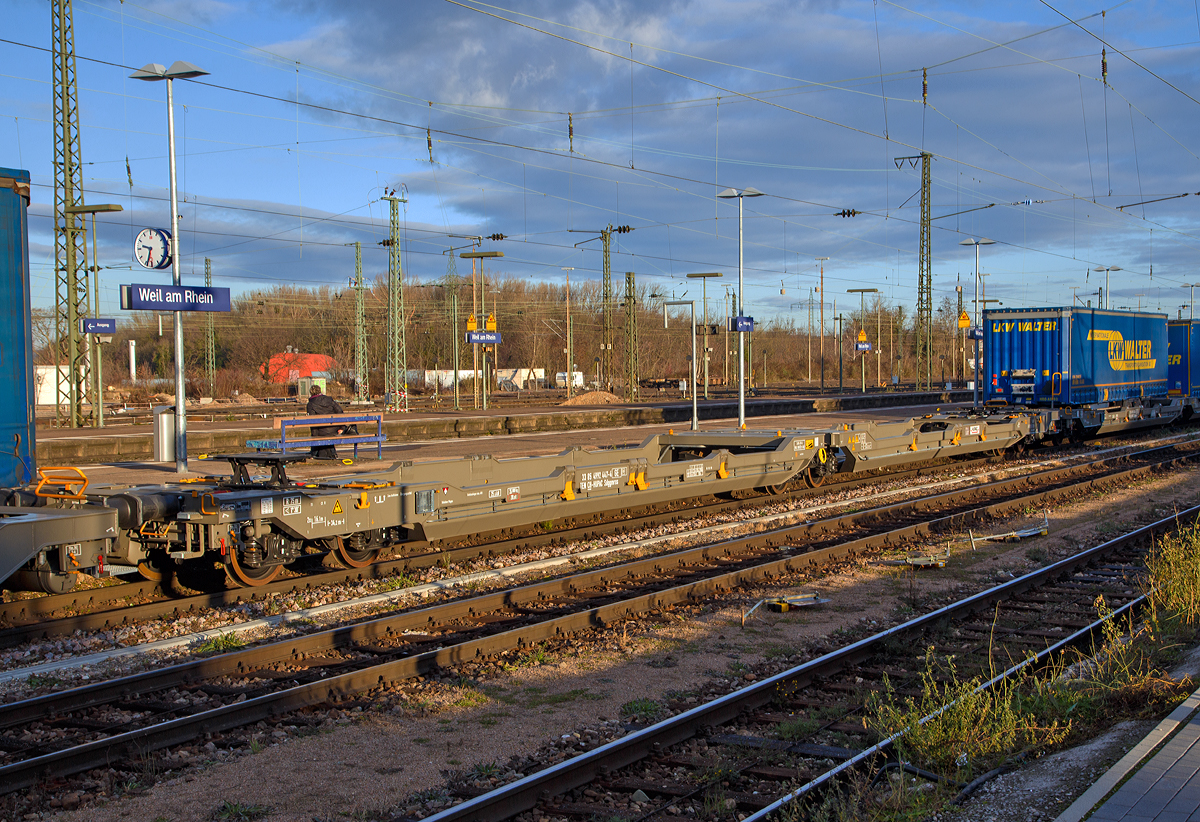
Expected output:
{"points": [[395, 373], [70, 245], [210, 339], [631, 341], [362, 386]]}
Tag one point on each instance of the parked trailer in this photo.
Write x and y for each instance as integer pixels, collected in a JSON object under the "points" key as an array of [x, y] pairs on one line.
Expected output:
{"points": [[1073, 356], [1183, 358], [255, 525], [17, 447]]}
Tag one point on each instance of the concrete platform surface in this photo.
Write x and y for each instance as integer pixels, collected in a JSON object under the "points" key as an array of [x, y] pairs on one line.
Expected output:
{"points": [[1163, 788]]}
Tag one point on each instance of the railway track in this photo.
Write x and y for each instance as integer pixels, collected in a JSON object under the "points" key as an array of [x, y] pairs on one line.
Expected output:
{"points": [[107, 607], [758, 749], [72, 731]]}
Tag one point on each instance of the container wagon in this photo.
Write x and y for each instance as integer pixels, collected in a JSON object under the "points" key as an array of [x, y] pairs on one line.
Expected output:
{"points": [[1073, 357]]}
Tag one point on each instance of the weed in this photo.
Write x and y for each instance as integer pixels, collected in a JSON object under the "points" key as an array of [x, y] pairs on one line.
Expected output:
{"points": [[972, 726], [777, 651], [1173, 583], [470, 698], [483, 770], [221, 643], [255, 746], [239, 812], [39, 681], [798, 728], [1037, 555], [643, 711], [397, 583], [422, 740]]}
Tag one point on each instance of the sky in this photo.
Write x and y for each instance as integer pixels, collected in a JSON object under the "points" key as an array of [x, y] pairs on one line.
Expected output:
{"points": [[546, 121]]}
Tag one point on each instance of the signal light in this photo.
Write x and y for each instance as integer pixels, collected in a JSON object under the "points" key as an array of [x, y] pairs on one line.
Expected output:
{"points": [[623, 229], [498, 237], [849, 212]]}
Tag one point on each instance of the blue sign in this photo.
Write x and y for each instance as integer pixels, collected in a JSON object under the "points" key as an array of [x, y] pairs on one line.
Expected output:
{"points": [[139, 297], [483, 337], [741, 323], [863, 346], [975, 333], [95, 326]]}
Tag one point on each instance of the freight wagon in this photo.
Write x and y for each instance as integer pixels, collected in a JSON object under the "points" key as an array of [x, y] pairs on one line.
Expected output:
{"points": [[1073, 356]]}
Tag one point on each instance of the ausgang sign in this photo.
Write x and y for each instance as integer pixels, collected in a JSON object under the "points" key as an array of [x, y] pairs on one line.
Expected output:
{"points": [[139, 297]]}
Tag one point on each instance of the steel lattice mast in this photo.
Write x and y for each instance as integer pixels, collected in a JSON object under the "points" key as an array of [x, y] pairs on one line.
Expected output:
{"points": [[70, 253], [925, 282], [395, 376], [606, 345], [210, 339], [631, 340], [362, 389]]}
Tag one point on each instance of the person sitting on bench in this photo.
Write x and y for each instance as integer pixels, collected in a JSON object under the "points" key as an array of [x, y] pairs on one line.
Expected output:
{"points": [[323, 406]]}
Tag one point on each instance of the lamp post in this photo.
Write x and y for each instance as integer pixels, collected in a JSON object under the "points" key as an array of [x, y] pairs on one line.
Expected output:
{"points": [[692, 304], [481, 256], [98, 365], [841, 347], [862, 321], [1107, 269], [1191, 300], [976, 243], [729, 194], [181, 71], [704, 277], [570, 354]]}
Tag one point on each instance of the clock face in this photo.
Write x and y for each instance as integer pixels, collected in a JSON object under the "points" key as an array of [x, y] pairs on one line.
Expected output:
{"points": [[152, 248]]}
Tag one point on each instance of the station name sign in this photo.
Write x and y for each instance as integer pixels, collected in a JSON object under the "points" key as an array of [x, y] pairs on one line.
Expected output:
{"points": [[483, 337], [139, 297]]}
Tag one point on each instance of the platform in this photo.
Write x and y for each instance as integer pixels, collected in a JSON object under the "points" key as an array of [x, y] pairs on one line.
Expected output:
{"points": [[1164, 787]]}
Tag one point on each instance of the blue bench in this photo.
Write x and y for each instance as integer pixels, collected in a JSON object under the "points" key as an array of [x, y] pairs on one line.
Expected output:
{"points": [[286, 443]]}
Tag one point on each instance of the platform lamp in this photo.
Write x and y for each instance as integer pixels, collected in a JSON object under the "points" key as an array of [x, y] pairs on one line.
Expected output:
{"points": [[730, 194], [1191, 299], [862, 320], [98, 370], [481, 256], [179, 70], [569, 352], [977, 243], [704, 277], [1107, 269], [692, 304]]}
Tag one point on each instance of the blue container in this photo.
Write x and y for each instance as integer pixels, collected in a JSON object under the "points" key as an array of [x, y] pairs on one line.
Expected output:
{"points": [[1073, 356], [1183, 358], [17, 447]]}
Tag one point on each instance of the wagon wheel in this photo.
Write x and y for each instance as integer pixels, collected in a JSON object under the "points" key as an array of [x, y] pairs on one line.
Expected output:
{"points": [[812, 476], [46, 579], [156, 566], [343, 552], [773, 490], [250, 577]]}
